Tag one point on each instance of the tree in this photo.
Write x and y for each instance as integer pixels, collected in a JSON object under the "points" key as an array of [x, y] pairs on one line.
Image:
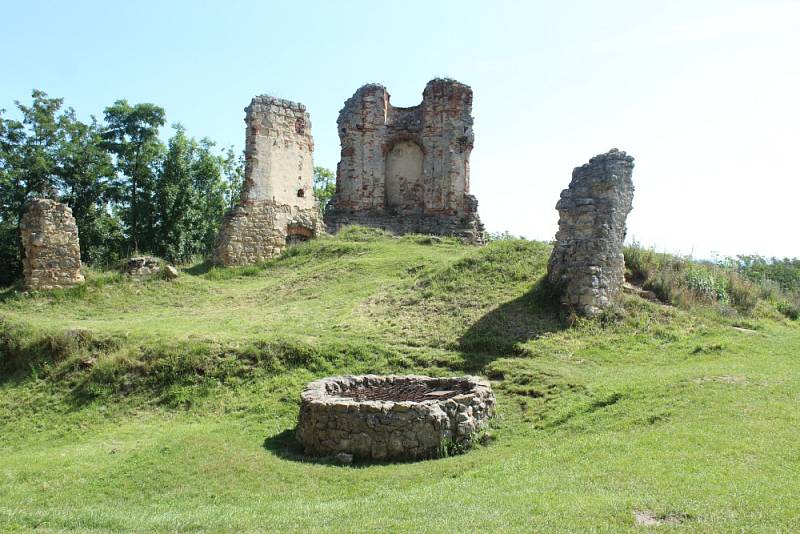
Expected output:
{"points": [[190, 196], [324, 186], [29, 168], [86, 173], [233, 171], [126, 189], [131, 135], [216, 181], [173, 198]]}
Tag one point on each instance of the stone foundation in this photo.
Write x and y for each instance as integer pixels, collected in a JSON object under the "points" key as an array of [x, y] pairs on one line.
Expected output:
{"points": [[406, 170], [392, 417], [52, 250], [257, 231], [587, 263], [468, 229], [277, 205]]}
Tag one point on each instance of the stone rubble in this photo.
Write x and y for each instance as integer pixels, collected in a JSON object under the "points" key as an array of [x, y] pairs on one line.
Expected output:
{"points": [[52, 250], [406, 170], [331, 421], [587, 264], [277, 206], [141, 267]]}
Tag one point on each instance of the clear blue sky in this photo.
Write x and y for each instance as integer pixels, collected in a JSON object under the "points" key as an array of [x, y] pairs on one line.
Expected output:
{"points": [[705, 94]]}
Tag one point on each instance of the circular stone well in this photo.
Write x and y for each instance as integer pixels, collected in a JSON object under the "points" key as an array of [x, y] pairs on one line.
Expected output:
{"points": [[391, 417]]}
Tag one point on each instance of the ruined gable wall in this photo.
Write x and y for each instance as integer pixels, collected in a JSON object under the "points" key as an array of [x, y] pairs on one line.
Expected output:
{"points": [[587, 262], [52, 251], [407, 169], [277, 200], [362, 133], [447, 138]]}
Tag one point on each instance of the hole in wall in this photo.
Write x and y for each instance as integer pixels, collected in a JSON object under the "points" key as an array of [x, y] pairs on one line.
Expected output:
{"points": [[301, 193], [298, 234]]}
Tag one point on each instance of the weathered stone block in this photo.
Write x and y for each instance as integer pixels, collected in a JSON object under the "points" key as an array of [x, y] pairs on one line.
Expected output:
{"points": [[52, 251]]}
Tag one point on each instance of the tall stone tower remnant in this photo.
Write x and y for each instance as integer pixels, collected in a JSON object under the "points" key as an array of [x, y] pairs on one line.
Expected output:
{"points": [[406, 170], [52, 250], [587, 263], [277, 205]]}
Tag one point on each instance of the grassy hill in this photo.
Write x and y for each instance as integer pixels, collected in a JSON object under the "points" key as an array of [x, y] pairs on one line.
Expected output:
{"points": [[168, 406]]}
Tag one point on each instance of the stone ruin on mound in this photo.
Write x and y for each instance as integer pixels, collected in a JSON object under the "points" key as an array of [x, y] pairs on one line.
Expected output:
{"points": [[587, 263], [277, 205], [52, 251], [406, 170]]}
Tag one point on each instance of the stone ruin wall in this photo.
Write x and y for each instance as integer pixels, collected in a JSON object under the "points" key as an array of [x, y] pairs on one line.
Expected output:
{"points": [[587, 263], [407, 169], [52, 251], [277, 203]]}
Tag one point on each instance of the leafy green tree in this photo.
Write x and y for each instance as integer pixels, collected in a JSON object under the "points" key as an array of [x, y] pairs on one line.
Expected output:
{"points": [[86, 173], [29, 168], [173, 197], [324, 186], [233, 171], [126, 189], [12, 196], [191, 198], [131, 134], [216, 181]]}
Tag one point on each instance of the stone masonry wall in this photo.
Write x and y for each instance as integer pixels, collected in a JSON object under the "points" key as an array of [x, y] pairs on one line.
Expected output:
{"points": [[331, 421], [277, 203], [52, 251], [587, 262], [407, 169]]}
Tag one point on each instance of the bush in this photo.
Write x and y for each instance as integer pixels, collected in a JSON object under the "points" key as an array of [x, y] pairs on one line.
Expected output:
{"points": [[790, 308], [684, 282]]}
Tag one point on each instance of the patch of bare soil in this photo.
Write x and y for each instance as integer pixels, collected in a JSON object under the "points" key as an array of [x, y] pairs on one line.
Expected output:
{"points": [[647, 518]]}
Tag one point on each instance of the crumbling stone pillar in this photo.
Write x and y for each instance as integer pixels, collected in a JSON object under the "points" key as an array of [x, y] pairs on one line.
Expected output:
{"points": [[277, 203], [587, 264], [52, 251], [406, 170]]}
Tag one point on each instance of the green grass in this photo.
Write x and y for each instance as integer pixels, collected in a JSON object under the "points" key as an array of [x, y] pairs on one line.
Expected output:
{"points": [[168, 406]]}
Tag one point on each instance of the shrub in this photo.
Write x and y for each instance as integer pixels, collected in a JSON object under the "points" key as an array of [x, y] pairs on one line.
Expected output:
{"points": [[790, 307], [684, 282]]}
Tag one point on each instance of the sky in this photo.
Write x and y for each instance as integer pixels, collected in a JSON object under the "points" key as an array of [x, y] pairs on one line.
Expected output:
{"points": [[704, 94]]}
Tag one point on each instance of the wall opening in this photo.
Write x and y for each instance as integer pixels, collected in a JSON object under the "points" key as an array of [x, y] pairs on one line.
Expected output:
{"points": [[404, 175], [298, 234]]}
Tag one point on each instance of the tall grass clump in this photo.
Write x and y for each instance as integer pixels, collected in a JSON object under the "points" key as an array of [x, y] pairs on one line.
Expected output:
{"points": [[684, 282]]}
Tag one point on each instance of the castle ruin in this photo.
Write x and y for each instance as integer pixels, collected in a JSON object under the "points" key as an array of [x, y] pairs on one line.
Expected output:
{"points": [[277, 205], [52, 250], [587, 263], [406, 170]]}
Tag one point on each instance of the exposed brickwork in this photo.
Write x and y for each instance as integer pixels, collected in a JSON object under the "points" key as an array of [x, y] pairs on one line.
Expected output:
{"points": [[52, 251], [277, 203], [407, 169], [587, 262]]}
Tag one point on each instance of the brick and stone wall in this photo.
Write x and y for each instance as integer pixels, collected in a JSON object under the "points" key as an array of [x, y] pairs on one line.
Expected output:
{"points": [[277, 204], [587, 263], [52, 251], [407, 169]]}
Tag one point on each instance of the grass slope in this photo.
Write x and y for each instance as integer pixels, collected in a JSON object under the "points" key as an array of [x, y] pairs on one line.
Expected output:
{"points": [[169, 406]]}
